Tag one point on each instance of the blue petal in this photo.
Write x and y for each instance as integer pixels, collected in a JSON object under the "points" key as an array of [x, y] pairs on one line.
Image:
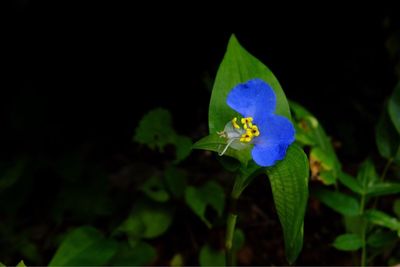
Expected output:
{"points": [[275, 129], [255, 98], [276, 134], [266, 156]]}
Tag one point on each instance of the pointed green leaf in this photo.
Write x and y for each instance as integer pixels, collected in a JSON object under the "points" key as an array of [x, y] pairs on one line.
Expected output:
{"points": [[382, 189], [342, 203], [84, 246], [380, 218], [289, 183], [387, 138], [239, 66], [348, 242], [214, 142], [198, 198], [351, 183], [394, 108], [367, 175]]}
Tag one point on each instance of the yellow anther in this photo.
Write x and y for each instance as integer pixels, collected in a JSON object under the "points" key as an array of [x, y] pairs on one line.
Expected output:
{"points": [[234, 123], [247, 122], [254, 130], [246, 137]]}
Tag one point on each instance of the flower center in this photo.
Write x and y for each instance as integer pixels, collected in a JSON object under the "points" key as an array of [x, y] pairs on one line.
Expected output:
{"points": [[239, 135], [250, 129]]}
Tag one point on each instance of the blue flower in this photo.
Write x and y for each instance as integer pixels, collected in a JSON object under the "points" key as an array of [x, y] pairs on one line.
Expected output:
{"points": [[269, 134]]}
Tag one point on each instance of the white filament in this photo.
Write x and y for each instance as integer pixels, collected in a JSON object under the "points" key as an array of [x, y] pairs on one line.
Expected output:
{"points": [[227, 145]]}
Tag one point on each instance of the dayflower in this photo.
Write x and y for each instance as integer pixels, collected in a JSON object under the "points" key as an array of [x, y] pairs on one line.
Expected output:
{"points": [[269, 134]]}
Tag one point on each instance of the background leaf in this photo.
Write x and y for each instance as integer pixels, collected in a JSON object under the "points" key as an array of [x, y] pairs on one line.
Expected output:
{"points": [[211, 257], [289, 183], [176, 181], [198, 198], [155, 131], [147, 220], [387, 138], [348, 242], [309, 132], [380, 218], [396, 207], [239, 66], [84, 246], [154, 189], [140, 255], [394, 108], [367, 175], [381, 238], [351, 183], [340, 202]]}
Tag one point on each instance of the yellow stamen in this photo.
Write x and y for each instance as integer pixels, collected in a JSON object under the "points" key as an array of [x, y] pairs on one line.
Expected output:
{"points": [[246, 137], [247, 122], [254, 130], [234, 123]]}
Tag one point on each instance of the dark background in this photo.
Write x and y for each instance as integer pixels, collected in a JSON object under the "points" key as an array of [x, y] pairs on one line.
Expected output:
{"points": [[78, 78], [87, 73]]}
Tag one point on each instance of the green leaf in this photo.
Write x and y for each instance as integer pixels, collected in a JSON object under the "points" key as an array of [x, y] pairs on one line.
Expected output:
{"points": [[176, 181], [239, 66], [289, 183], [348, 242], [155, 190], [198, 198], [238, 240], [380, 218], [183, 146], [210, 257], [340, 202], [2, 264], [309, 132], [381, 238], [387, 138], [216, 143], [177, 260], [142, 254], [382, 189], [394, 108], [354, 224], [367, 175], [396, 207], [352, 183], [84, 246], [21, 264], [147, 220], [155, 130]]}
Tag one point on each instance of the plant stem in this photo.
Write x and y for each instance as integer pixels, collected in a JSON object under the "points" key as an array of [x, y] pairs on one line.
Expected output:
{"points": [[363, 233], [230, 230], [232, 217], [385, 170]]}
